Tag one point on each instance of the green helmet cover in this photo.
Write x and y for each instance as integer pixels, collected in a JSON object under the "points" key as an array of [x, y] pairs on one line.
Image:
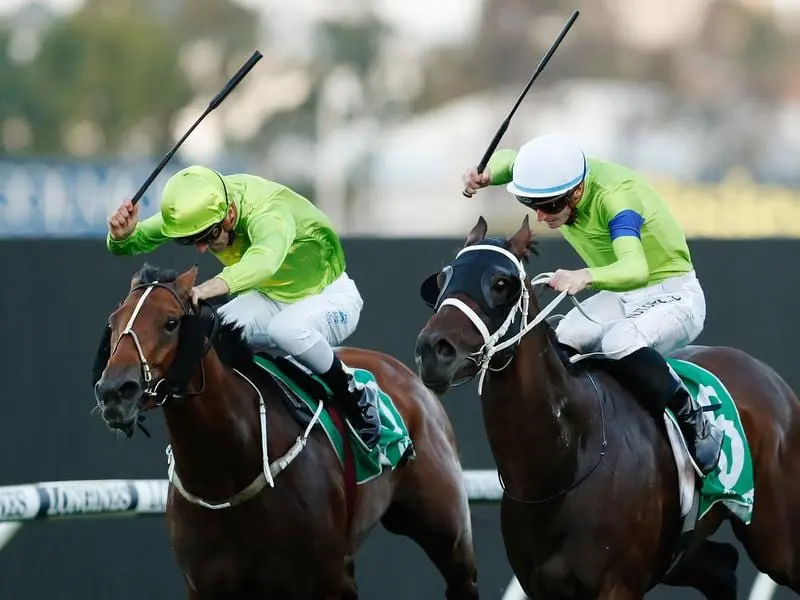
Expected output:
{"points": [[193, 200]]}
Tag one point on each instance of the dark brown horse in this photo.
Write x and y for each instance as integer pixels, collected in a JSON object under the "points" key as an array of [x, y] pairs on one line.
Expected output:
{"points": [[234, 533], [591, 506]]}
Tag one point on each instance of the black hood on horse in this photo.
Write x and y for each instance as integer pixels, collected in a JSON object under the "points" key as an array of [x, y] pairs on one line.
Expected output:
{"points": [[489, 279]]}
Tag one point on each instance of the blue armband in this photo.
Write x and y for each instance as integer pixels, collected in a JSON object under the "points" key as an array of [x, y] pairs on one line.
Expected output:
{"points": [[626, 223]]}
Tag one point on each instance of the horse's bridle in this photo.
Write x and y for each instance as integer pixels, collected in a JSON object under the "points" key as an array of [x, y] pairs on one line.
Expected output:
{"points": [[159, 392], [494, 343]]}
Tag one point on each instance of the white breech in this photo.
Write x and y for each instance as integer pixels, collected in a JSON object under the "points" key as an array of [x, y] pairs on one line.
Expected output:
{"points": [[309, 326], [665, 316]]}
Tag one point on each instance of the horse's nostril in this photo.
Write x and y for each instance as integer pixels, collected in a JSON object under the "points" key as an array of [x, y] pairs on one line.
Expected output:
{"points": [[129, 390], [112, 392], [106, 393], [444, 350], [434, 347]]}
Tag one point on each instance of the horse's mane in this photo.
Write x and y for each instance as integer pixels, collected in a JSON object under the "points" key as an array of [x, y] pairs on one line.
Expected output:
{"points": [[229, 342]]}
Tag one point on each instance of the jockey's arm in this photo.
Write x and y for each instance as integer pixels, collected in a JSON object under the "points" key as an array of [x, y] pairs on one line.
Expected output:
{"points": [[501, 165], [145, 238], [622, 209], [628, 272], [271, 231]]}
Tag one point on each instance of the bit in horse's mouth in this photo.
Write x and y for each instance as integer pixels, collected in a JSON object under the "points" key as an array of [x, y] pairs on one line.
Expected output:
{"points": [[125, 427], [118, 422]]}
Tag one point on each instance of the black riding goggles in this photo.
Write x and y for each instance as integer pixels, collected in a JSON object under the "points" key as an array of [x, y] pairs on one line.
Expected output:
{"points": [[204, 237], [549, 206]]}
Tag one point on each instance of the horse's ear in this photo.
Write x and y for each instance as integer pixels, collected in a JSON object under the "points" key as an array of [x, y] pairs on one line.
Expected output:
{"points": [[430, 290], [521, 241], [185, 281], [478, 232]]}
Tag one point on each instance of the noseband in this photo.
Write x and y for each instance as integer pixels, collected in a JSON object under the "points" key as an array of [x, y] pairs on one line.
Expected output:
{"points": [[159, 391]]}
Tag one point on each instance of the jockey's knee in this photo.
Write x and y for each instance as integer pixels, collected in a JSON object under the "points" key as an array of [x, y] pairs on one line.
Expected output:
{"points": [[622, 339], [291, 336], [582, 338], [229, 313], [241, 309], [245, 312]]}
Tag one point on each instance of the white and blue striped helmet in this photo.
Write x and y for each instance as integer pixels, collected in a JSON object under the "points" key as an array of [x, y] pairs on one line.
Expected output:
{"points": [[548, 166]]}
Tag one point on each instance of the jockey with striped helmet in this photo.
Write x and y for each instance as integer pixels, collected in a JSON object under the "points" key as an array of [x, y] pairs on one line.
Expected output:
{"points": [[283, 263], [649, 299]]}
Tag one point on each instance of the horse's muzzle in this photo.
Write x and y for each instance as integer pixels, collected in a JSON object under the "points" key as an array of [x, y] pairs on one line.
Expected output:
{"points": [[119, 393], [437, 360]]}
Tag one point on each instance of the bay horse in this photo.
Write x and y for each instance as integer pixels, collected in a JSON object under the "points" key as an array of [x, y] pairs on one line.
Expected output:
{"points": [[590, 506], [258, 506]]}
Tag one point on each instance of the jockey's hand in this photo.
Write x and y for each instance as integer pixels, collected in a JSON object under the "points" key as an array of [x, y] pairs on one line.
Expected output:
{"points": [[473, 181], [571, 282], [210, 289], [122, 221]]}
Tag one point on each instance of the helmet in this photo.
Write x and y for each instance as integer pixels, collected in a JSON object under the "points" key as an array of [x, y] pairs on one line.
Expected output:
{"points": [[193, 200], [548, 166]]}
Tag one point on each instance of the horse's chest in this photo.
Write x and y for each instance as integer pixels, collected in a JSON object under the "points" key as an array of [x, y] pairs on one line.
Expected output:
{"points": [[218, 570], [248, 555], [557, 565], [557, 578]]}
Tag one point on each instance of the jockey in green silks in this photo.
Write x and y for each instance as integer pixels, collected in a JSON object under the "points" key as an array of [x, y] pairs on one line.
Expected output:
{"points": [[649, 300], [283, 263]]}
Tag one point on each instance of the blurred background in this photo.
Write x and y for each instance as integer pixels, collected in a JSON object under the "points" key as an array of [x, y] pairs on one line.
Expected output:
{"points": [[373, 109]]}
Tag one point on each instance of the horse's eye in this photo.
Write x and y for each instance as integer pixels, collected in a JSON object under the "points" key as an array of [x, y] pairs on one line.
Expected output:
{"points": [[171, 324], [500, 285]]}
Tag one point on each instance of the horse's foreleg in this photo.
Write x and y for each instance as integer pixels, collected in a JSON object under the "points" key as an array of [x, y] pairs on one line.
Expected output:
{"points": [[711, 569], [349, 585]]}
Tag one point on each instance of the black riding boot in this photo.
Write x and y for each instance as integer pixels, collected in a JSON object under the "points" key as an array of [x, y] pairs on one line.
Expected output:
{"points": [[651, 379], [358, 403], [703, 438]]}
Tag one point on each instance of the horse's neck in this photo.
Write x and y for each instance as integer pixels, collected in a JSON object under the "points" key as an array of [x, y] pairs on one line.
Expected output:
{"points": [[215, 436], [535, 414]]}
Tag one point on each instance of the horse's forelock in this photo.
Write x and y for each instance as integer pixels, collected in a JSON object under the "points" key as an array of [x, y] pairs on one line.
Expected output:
{"points": [[151, 273]]}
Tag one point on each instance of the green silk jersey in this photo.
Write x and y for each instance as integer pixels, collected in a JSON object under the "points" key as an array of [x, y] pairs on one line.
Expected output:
{"points": [[623, 229], [284, 246]]}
